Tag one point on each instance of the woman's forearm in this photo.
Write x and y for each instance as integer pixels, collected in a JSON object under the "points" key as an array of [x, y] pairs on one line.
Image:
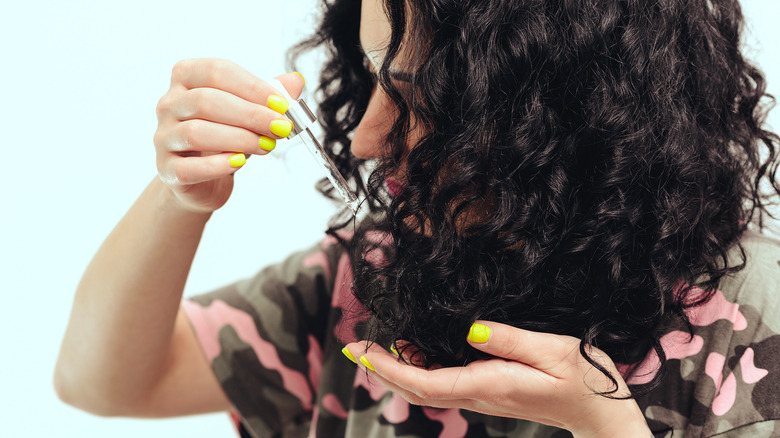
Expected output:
{"points": [[118, 337]]}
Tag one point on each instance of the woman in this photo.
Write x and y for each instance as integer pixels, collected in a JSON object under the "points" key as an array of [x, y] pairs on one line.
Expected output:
{"points": [[557, 240]]}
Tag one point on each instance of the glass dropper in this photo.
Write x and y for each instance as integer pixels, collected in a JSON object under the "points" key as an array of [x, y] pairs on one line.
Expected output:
{"points": [[302, 118]]}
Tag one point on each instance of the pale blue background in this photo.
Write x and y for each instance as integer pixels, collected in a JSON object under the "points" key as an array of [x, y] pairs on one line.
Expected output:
{"points": [[79, 82]]}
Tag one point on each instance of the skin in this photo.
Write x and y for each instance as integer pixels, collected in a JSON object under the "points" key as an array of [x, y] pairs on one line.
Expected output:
{"points": [[129, 351]]}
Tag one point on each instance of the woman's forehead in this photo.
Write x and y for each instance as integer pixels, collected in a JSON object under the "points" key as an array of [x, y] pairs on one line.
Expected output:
{"points": [[375, 30]]}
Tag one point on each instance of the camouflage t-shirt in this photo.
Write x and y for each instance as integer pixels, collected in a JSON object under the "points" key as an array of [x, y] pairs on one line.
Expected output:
{"points": [[274, 342]]}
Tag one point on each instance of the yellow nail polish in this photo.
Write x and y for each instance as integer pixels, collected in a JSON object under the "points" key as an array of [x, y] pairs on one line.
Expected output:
{"points": [[282, 128], [304, 79], [348, 354], [479, 333], [365, 362], [278, 103], [237, 160], [395, 352], [266, 143]]}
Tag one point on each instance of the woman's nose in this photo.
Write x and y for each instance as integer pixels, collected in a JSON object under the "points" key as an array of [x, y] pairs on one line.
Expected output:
{"points": [[373, 126]]}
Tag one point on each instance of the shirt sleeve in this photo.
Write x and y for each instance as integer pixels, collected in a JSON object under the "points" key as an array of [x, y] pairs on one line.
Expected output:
{"points": [[263, 338], [745, 378]]}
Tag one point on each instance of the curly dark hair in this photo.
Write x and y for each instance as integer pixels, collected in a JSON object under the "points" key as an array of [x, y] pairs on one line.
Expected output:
{"points": [[585, 164]]}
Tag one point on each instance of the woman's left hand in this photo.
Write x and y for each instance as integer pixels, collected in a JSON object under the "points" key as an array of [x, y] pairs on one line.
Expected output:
{"points": [[540, 377]]}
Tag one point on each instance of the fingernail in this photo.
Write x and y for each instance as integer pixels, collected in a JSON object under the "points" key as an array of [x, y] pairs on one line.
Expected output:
{"points": [[282, 128], [348, 354], [479, 333], [304, 79], [365, 362], [267, 143], [395, 352], [278, 103], [237, 160]]}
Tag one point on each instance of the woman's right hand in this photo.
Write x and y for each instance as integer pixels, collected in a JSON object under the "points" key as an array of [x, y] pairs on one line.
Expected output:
{"points": [[213, 115]]}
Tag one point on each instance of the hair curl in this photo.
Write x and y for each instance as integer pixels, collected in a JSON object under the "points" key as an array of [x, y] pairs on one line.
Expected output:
{"points": [[585, 165]]}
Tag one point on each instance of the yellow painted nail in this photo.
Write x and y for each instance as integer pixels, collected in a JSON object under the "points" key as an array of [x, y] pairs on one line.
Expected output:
{"points": [[365, 362], [281, 127], [348, 354], [479, 333], [278, 103], [237, 160], [395, 352], [304, 79], [266, 143]]}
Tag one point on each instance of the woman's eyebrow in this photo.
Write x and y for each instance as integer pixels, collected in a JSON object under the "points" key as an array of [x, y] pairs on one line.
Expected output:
{"points": [[394, 73], [399, 75]]}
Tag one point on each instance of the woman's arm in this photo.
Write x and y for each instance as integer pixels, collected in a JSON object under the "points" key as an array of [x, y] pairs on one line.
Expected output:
{"points": [[122, 339], [125, 351]]}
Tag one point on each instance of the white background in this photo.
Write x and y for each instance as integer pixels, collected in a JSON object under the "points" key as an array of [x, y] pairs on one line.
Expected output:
{"points": [[79, 82]]}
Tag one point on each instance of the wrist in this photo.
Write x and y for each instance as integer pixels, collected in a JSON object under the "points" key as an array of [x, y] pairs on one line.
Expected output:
{"points": [[171, 203], [636, 429], [623, 421], [169, 200]]}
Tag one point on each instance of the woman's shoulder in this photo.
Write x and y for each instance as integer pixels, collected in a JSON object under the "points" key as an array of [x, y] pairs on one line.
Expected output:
{"points": [[722, 377], [757, 284]]}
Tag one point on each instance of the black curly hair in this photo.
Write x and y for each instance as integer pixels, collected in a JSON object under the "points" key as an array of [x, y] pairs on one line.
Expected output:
{"points": [[584, 165]]}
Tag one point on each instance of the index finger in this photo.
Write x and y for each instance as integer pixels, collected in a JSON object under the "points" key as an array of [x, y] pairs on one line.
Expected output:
{"points": [[226, 76], [439, 384]]}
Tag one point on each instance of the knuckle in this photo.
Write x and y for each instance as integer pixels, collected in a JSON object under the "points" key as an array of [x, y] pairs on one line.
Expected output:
{"points": [[511, 342], [163, 105], [180, 69], [202, 103], [257, 120], [158, 139], [426, 393], [419, 393], [218, 70], [190, 133], [161, 165], [257, 88], [413, 399]]}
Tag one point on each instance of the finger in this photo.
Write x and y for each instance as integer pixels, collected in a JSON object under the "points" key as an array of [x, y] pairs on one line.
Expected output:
{"points": [[184, 171], [293, 83], [440, 384], [362, 359], [205, 136], [228, 76], [414, 399], [544, 351], [221, 107]]}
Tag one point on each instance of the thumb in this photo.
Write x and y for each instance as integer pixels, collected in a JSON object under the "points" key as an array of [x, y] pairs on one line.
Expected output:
{"points": [[539, 350], [293, 83]]}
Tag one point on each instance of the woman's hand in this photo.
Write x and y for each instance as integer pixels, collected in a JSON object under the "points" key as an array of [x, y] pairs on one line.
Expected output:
{"points": [[541, 377], [213, 116]]}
